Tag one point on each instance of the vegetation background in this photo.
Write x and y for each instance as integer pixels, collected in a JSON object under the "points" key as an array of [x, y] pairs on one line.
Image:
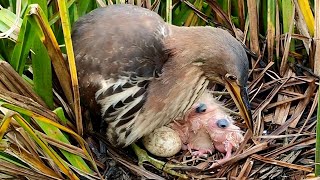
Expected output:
{"points": [[41, 124]]}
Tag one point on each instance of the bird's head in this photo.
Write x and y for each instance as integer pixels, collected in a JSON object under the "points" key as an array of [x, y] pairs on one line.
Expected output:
{"points": [[227, 63], [222, 59]]}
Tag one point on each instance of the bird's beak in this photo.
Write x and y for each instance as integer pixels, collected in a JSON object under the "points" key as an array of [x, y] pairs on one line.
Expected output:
{"points": [[240, 96]]}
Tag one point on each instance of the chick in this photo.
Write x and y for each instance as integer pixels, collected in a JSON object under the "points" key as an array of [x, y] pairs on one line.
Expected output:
{"points": [[206, 127]]}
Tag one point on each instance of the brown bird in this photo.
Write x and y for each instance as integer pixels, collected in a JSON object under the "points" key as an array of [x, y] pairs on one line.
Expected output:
{"points": [[139, 73]]}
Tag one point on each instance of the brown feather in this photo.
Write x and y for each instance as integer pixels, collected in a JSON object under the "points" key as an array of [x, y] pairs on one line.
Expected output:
{"points": [[141, 73]]}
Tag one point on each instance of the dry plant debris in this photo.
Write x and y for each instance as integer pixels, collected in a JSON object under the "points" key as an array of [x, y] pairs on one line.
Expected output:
{"points": [[283, 96]]}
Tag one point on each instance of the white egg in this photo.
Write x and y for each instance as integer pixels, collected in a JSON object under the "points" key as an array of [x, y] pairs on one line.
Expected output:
{"points": [[163, 142]]}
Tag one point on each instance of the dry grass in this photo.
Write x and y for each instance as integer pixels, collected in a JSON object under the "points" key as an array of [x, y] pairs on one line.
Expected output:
{"points": [[283, 92]]}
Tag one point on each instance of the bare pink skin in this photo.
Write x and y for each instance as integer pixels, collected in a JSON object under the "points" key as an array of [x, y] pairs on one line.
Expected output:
{"points": [[203, 132], [201, 142]]}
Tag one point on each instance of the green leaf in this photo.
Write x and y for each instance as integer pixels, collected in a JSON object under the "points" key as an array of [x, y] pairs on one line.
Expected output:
{"points": [[9, 19], [83, 7], [12, 160], [54, 18], [6, 48], [42, 72], [44, 32], [41, 64], [73, 13], [181, 14], [59, 112], [307, 15], [271, 29], [64, 14], [42, 4], [22, 47], [56, 134], [207, 10], [287, 12], [4, 3]]}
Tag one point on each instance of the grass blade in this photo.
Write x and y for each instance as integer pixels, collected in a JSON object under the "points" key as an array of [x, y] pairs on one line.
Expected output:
{"points": [[254, 29], [72, 65], [11, 159], [56, 134], [169, 11], [22, 47], [317, 39], [181, 13], [83, 6], [42, 73], [317, 154], [44, 146], [307, 14], [287, 13], [39, 118], [317, 72], [271, 28], [43, 30], [41, 65], [193, 18], [9, 24]]}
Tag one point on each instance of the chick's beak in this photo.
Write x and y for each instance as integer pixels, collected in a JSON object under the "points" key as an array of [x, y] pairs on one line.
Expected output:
{"points": [[240, 95]]}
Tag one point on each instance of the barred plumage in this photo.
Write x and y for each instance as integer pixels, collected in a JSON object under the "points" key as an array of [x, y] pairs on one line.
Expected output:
{"points": [[138, 73]]}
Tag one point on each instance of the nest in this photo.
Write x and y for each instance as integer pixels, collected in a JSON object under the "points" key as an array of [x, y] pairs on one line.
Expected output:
{"points": [[38, 143]]}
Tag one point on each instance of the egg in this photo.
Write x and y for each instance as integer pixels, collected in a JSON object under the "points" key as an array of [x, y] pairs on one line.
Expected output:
{"points": [[163, 142]]}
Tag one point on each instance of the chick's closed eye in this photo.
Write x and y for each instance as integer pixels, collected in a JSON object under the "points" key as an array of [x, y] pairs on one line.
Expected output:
{"points": [[223, 123], [201, 108]]}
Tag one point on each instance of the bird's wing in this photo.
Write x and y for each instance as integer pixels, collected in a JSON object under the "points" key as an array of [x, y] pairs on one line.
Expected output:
{"points": [[118, 49]]}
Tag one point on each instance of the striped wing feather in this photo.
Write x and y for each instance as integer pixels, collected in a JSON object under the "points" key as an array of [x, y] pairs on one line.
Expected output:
{"points": [[118, 52]]}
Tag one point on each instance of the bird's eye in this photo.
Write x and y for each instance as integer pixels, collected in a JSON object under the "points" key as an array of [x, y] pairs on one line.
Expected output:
{"points": [[231, 77], [201, 108], [223, 123]]}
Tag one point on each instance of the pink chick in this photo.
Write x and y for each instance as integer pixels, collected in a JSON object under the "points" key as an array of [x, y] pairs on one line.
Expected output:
{"points": [[207, 127]]}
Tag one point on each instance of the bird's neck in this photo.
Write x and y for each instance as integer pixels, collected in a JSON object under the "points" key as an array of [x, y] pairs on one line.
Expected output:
{"points": [[185, 44]]}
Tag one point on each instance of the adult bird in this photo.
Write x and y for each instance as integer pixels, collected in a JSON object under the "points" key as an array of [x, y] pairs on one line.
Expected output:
{"points": [[139, 73]]}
